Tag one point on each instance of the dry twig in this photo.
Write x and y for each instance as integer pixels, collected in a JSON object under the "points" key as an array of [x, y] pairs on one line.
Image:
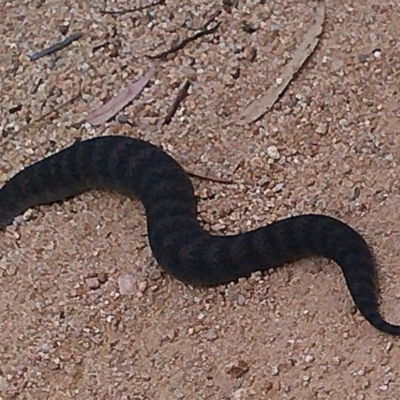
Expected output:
{"points": [[209, 21], [56, 47], [211, 178], [40, 118], [59, 107], [202, 32], [179, 98], [131, 10]]}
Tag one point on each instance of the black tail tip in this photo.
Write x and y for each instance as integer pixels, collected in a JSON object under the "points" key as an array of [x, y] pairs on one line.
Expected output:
{"points": [[379, 323]]}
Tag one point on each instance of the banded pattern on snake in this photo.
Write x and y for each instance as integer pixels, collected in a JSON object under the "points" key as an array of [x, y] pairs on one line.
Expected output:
{"points": [[179, 243]]}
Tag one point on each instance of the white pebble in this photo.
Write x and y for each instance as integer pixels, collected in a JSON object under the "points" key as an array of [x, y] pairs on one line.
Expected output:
{"points": [[273, 152], [309, 358]]}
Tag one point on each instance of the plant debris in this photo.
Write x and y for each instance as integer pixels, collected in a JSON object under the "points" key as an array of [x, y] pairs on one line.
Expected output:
{"points": [[56, 47], [203, 31], [260, 107], [116, 104], [175, 105], [210, 178], [131, 10]]}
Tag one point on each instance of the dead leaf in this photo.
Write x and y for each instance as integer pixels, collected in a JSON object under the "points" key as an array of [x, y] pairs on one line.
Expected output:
{"points": [[108, 110], [261, 106]]}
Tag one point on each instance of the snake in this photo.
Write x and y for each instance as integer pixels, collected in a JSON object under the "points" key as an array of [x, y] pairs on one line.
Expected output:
{"points": [[181, 246]]}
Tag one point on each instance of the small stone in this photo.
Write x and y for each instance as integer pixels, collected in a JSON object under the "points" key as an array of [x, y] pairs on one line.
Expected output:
{"points": [[309, 358], [236, 73], [3, 384], [30, 214], [268, 386], [273, 152], [211, 335], [277, 188], [178, 394], [240, 394], [171, 334], [250, 53], [239, 369], [93, 283], [389, 157], [126, 284], [102, 277], [114, 51], [377, 53], [123, 119], [336, 361], [322, 128], [337, 64], [264, 180], [275, 370], [366, 384], [354, 193], [142, 286], [241, 300], [64, 28]]}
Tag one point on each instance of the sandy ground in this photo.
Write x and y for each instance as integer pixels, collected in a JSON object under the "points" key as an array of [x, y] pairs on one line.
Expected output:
{"points": [[67, 331]]}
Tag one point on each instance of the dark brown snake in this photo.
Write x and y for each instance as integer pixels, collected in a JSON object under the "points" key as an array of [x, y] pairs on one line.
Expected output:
{"points": [[179, 243]]}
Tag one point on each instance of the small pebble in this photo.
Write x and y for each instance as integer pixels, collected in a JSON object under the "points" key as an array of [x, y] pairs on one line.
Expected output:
{"points": [[237, 370], [211, 335], [275, 371], [354, 193], [241, 300], [322, 128], [363, 58], [377, 53], [336, 361], [102, 277], [126, 284], [93, 283], [3, 384], [309, 358], [277, 188], [273, 152]]}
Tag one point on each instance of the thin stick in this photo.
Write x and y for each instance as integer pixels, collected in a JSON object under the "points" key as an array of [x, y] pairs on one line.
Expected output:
{"points": [[131, 10], [204, 31], [212, 18], [69, 101], [175, 105], [72, 99], [211, 178], [56, 47]]}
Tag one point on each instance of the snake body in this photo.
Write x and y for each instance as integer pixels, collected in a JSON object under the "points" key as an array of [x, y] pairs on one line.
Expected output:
{"points": [[179, 243]]}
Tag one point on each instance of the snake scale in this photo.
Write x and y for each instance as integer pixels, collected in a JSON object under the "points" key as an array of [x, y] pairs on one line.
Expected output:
{"points": [[181, 246]]}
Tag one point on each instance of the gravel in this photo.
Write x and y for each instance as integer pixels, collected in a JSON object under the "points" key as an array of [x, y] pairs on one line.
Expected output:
{"points": [[85, 311]]}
